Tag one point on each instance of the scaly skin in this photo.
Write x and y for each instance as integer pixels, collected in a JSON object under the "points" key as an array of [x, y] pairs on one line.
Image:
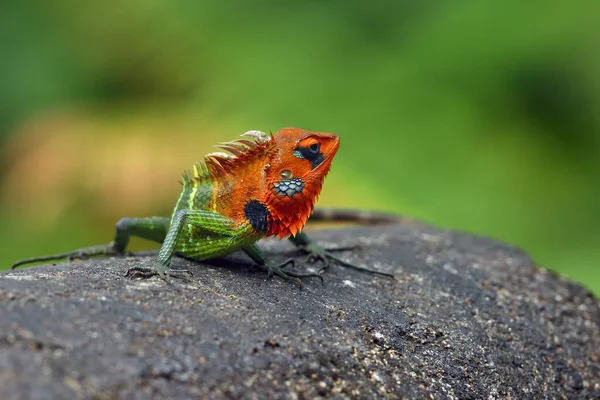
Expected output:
{"points": [[265, 185]]}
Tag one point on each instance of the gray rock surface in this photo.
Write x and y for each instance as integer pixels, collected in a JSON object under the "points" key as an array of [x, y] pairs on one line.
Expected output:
{"points": [[467, 318]]}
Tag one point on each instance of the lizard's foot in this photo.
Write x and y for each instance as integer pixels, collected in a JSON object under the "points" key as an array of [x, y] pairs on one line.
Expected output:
{"points": [[319, 253], [145, 273], [277, 269], [79, 254]]}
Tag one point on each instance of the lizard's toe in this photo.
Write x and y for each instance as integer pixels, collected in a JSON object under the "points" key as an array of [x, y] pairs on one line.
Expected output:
{"points": [[141, 273]]}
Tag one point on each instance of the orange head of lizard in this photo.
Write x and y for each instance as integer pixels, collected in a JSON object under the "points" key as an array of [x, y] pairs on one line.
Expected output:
{"points": [[295, 174]]}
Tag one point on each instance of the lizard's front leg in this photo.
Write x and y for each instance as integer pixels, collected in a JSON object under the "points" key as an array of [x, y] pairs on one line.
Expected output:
{"points": [[213, 233]]}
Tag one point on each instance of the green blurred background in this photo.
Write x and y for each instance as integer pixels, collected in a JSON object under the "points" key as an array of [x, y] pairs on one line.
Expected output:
{"points": [[476, 116]]}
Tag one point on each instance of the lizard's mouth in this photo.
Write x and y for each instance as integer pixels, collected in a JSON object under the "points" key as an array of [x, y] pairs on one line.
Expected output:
{"points": [[331, 149], [335, 147]]}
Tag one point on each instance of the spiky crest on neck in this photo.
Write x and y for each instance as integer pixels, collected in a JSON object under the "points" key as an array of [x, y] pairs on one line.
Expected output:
{"points": [[217, 164]]}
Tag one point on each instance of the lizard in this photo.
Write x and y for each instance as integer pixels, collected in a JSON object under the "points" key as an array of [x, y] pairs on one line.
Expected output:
{"points": [[262, 185]]}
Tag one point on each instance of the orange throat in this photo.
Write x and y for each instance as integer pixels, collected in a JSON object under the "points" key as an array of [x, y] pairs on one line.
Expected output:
{"points": [[288, 215]]}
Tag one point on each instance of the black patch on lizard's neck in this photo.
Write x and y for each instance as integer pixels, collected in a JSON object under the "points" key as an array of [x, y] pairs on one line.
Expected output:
{"points": [[258, 214]]}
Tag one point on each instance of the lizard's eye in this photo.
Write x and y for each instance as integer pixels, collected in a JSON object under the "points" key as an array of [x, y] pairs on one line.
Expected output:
{"points": [[286, 174], [312, 153]]}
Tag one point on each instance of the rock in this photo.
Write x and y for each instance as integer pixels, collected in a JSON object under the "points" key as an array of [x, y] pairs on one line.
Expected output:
{"points": [[467, 317]]}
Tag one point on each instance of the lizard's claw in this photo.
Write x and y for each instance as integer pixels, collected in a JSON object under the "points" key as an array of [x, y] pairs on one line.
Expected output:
{"points": [[319, 253], [274, 269], [145, 273]]}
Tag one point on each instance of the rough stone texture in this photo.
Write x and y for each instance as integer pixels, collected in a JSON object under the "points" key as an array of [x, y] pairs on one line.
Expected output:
{"points": [[467, 318]]}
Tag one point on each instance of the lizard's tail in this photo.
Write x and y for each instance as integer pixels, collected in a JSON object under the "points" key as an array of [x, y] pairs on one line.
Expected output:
{"points": [[359, 216]]}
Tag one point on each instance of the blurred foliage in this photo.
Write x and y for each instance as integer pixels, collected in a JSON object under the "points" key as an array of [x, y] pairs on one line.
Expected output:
{"points": [[475, 116]]}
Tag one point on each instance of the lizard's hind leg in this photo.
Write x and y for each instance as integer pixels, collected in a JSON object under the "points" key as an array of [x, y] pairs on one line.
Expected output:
{"points": [[318, 253], [273, 269], [153, 228]]}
